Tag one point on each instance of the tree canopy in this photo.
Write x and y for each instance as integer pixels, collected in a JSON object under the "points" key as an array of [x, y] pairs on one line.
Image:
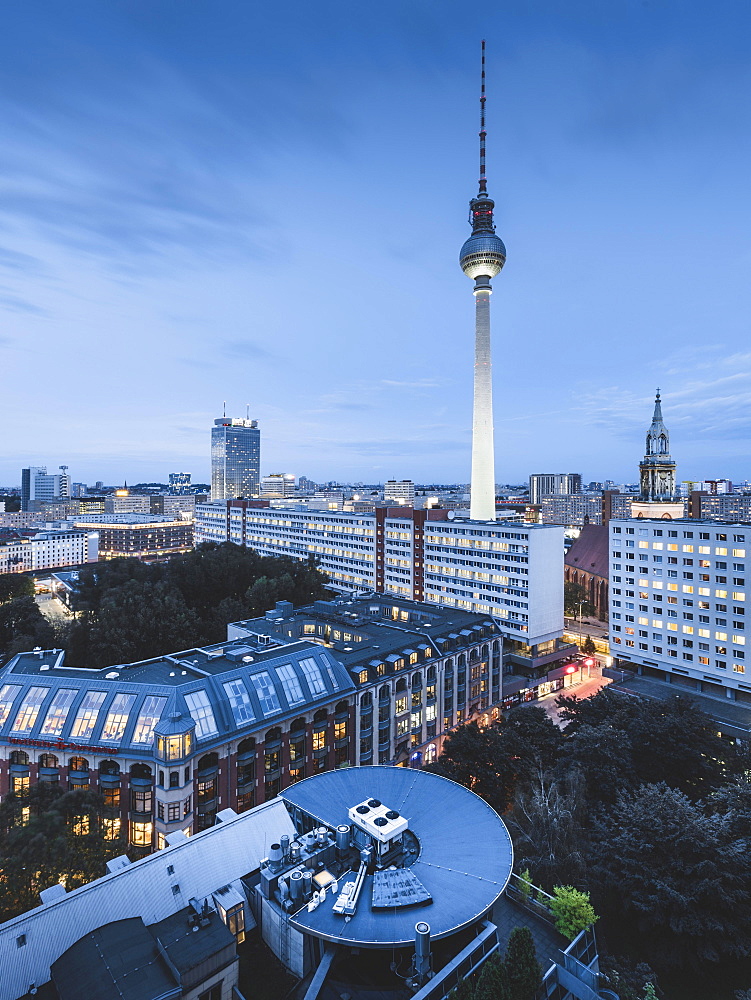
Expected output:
{"points": [[129, 610]]}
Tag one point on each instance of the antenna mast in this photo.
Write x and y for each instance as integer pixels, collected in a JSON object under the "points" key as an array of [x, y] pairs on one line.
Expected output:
{"points": [[483, 133]]}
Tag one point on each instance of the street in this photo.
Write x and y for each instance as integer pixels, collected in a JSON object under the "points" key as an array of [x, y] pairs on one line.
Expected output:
{"points": [[584, 690]]}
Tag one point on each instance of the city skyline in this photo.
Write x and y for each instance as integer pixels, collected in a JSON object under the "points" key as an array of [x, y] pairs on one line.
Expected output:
{"points": [[191, 214]]}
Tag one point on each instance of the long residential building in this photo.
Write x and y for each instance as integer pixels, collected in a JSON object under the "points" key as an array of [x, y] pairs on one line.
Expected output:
{"points": [[719, 507], [678, 599], [23, 553], [511, 571]]}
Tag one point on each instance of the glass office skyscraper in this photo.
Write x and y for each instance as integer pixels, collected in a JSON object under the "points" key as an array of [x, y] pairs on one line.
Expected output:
{"points": [[235, 458]]}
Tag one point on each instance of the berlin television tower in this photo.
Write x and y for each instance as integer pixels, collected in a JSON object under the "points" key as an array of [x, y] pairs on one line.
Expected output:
{"points": [[481, 258]]}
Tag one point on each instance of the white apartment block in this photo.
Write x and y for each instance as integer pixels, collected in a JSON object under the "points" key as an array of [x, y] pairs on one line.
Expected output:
{"points": [[513, 572], [49, 550], [678, 600], [399, 491]]}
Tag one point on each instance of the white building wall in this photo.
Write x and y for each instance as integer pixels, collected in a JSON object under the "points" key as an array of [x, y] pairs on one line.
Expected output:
{"points": [[678, 598], [511, 571]]}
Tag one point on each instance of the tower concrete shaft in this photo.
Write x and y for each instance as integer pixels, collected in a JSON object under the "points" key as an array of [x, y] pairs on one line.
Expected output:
{"points": [[481, 258], [482, 490]]}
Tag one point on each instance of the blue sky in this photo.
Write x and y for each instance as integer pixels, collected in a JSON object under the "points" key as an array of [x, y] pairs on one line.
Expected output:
{"points": [[208, 200]]}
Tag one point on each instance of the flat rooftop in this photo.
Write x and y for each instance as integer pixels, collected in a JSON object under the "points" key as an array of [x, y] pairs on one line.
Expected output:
{"points": [[463, 856]]}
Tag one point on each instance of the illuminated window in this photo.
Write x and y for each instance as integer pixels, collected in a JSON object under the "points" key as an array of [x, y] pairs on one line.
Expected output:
{"points": [[141, 834], [148, 716], [202, 713], [80, 825], [29, 709], [117, 717], [8, 693], [111, 829], [340, 730], [86, 718]]}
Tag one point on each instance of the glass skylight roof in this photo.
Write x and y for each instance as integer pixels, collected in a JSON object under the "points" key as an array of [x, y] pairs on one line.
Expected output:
{"points": [[202, 712], [239, 702], [58, 712], [266, 692]]}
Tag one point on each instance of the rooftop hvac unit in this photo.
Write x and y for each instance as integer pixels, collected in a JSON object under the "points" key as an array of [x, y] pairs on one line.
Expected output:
{"points": [[378, 820]]}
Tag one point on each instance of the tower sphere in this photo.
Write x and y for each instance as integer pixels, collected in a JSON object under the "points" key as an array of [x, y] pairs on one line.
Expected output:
{"points": [[483, 253]]}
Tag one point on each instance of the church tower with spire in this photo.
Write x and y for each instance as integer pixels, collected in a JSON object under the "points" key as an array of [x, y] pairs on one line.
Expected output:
{"points": [[657, 468], [657, 494]]}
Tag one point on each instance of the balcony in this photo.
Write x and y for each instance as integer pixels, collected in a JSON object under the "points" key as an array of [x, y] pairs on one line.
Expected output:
{"points": [[536, 665]]}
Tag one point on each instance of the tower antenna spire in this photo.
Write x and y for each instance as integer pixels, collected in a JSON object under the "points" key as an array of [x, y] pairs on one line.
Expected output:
{"points": [[483, 133]]}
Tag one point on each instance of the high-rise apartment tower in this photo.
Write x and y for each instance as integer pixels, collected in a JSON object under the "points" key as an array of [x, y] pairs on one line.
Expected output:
{"points": [[481, 258], [235, 458]]}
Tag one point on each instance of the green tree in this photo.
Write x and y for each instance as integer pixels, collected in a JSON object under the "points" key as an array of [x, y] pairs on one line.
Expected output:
{"points": [[588, 646], [522, 968], [14, 585], [603, 756], [474, 757], [50, 836], [530, 739], [674, 880], [576, 602], [671, 739], [139, 620], [549, 826], [627, 976], [493, 983], [23, 626], [572, 910]]}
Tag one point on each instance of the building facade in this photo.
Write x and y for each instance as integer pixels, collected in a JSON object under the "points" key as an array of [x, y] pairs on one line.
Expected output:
{"points": [[553, 484], [235, 458], [719, 507], [139, 536], [37, 485], [172, 741], [47, 550], [678, 602], [399, 492], [511, 571]]}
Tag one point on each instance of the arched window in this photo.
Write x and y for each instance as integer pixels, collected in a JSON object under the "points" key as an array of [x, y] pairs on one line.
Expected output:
{"points": [[48, 760], [431, 673], [484, 652], [341, 706], [496, 647], [109, 767], [416, 681], [19, 757], [140, 771], [273, 735], [246, 746], [449, 666], [208, 760], [321, 715], [384, 693], [366, 702], [78, 764], [462, 661], [401, 684]]}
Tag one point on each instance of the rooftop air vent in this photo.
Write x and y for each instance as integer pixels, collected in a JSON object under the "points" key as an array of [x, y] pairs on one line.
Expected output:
{"points": [[44, 666], [363, 810], [183, 672], [172, 673], [392, 814], [247, 659], [381, 821], [112, 675], [374, 803]]}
